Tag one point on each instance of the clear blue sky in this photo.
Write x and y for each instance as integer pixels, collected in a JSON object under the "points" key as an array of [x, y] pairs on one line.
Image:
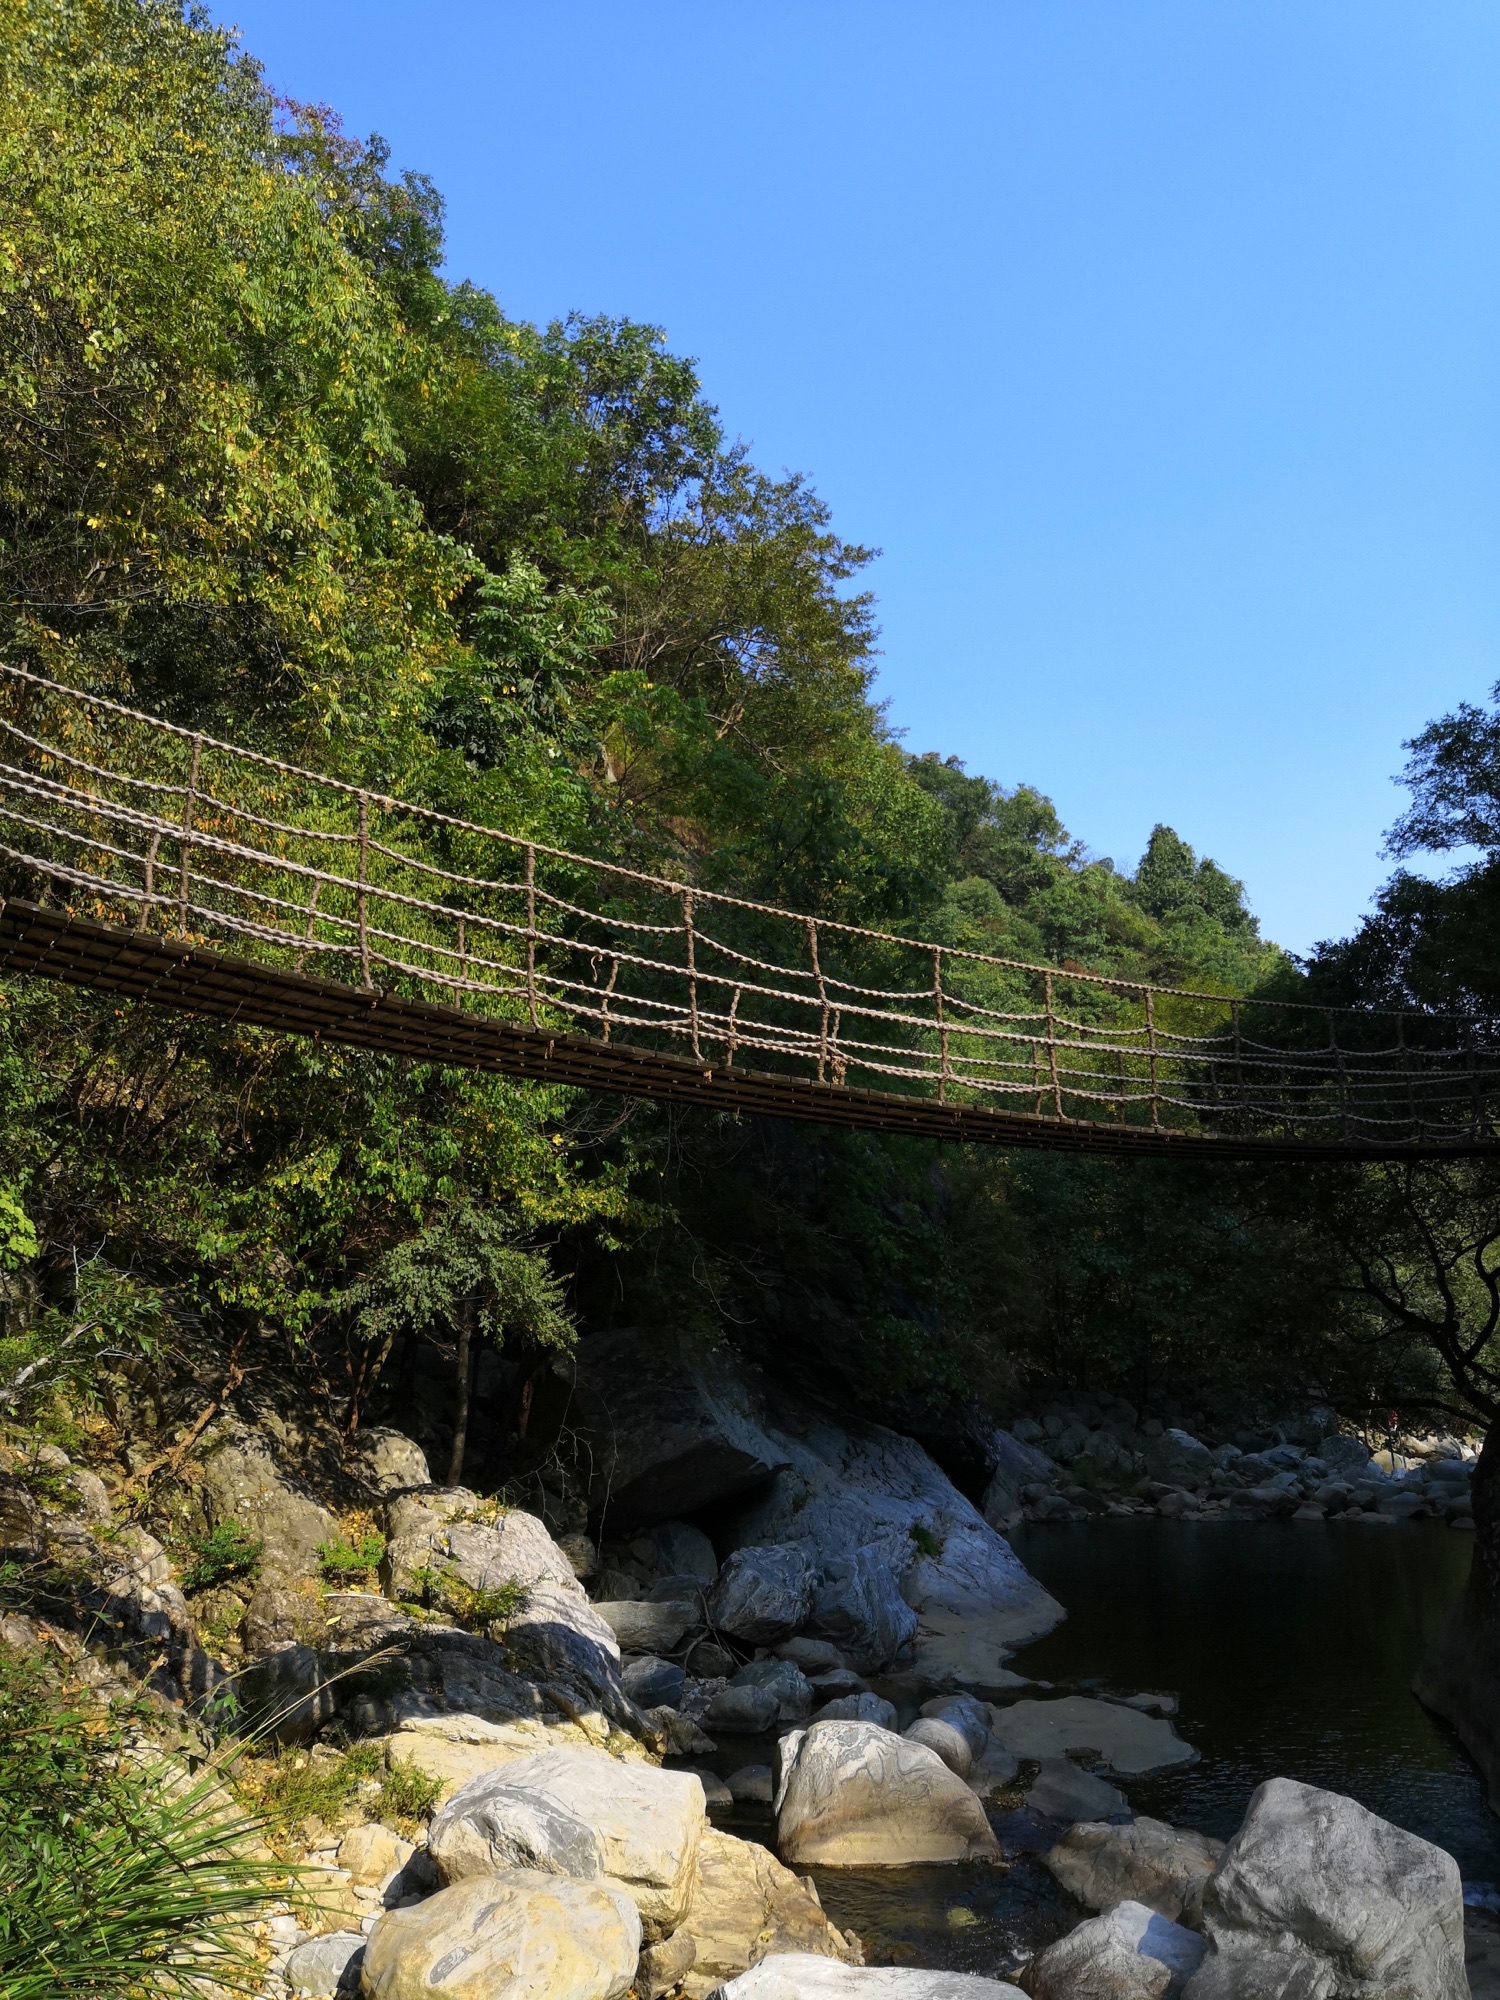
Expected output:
{"points": [[1155, 342]]}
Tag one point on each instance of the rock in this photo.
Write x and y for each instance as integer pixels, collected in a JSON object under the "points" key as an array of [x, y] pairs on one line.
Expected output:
{"points": [[945, 1741], [22, 1533], [559, 1637], [664, 1966], [784, 1679], [329, 1965], [669, 1439], [1131, 1953], [456, 1761], [866, 1707], [282, 1611], [1061, 1791], [1178, 1459], [1016, 1464], [815, 1656], [1132, 1744], [742, 1711], [1345, 1456], [1146, 1862], [793, 1977], [859, 1607], [452, 1531], [850, 1794], [996, 1771], [371, 1854], [840, 1681], [752, 1785], [679, 1737], [717, 1796], [391, 1463], [1401, 1506], [581, 1813], [286, 1696], [511, 1935], [969, 1717], [745, 1906], [646, 1627], [583, 1557], [653, 1683], [1319, 1894], [1148, 1704], [762, 1594], [683, 1550], [242, 1488]]}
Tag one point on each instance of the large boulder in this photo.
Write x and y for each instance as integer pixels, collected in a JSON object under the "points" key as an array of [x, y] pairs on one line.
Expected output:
{"points": [[683, 1550], [1130, 1953], [762, 1594], [849, 1794], [783, 1679], [645, 1626], [242, 1487], [390, 1462], [949, 1743], [1146, 1862], [669, 1438], [1016, 1466], [1459, 1678], [1316, 1895], [799, 1978], [1176, 1458], [858, 1606], [514, 1934], [865, 1707], [745, 1906], [1132, 1744], [559, 1637], [1061, 1791], [580, 1813], [450, 1532]]}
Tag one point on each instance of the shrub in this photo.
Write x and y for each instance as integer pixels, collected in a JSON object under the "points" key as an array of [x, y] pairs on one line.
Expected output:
{"points": [[475, 1607], [408, 1795], [344, 1560], [222, 1555], [118, 1876], [925, 1539]]}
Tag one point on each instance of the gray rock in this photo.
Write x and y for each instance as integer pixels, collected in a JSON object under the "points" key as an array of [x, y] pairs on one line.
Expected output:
{"points": [[994, 1772], [514, 1934], [971, 1718], [717, 1796], [1016, 1464], [1178, 1459], [663, 1966], [683, 1550], [841, 1681], [785, 1680], [451, 1530], [1061, 1791], [286, 1695], [864, 1707], [947, 1742], [559, 1637], [753, 1784], [1401, 1506], [849, 1794], [858, 1606], [328, 1965], [1146, 1862], [1132, 1744], [798, 1976], [1131, 1953], [742, 1711], [242, 1488], [762, 1594], [669, 1439], [1335, 1903], [653, 1683], [580, 1813], [643, 1626], [390, 1462], [815, 1656]]}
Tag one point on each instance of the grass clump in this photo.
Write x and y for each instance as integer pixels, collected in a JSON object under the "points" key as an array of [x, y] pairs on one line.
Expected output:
{"points": [[226, 1554], [120, 1876], [407, 1796], [925, 1539], [350, 1560], [293, 1786], [476, 1607]]}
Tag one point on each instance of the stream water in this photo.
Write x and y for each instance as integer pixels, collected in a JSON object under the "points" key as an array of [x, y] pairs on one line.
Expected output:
{"points": [[1291, 1646]]}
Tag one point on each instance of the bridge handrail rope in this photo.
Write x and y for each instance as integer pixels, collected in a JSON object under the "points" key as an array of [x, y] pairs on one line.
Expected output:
{"points": [[201, 840]]}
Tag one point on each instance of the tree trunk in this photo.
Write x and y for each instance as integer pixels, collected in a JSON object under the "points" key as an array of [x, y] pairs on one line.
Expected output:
{"points": [[1460, 1677], [463, 1372]]}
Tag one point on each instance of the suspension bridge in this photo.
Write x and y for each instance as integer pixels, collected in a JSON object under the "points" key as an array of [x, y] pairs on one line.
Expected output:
{"points": [[155, 862]]}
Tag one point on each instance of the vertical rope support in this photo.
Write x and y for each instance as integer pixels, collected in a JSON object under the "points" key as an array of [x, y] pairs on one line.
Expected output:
{"points": [[189, 809], [692, 971], [531, 933], [1151, 1057], [1057, 1103], [609, 987], [364, 875], [812, 946], [149, 872], [942, 1021], [1343, 1075], [312, 913], [734, 1016], [463, 958]]}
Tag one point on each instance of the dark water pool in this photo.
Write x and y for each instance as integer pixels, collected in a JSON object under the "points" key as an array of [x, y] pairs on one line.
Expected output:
{"points": [[1292, 1646]]}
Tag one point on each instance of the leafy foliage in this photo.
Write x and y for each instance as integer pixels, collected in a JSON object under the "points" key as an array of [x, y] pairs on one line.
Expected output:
{"points": [[223, 1554], [350, 1561]]}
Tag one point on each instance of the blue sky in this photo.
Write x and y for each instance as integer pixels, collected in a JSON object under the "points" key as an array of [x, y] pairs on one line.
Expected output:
{"points": [[1156, 343]]}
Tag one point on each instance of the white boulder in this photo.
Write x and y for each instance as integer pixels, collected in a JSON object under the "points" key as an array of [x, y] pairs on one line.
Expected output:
{"points": [[1130, 1953], [849, 1794], [1147, 1862], [793, 1977]]}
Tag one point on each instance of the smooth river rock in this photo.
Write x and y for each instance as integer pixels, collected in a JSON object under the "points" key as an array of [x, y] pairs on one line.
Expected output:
{"points": [[949, 1743], [1315, 1896], [585, 1814], [1147, 1862], [798, 1978], [1132, 1744], [511, 1935], [745, 1906], [1130, 1953], [849, 1794], [1061, 1791], [762, 1594]]}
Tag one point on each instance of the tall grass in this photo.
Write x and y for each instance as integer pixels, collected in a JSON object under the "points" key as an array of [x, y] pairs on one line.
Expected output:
{"points": [[120, 1878]]}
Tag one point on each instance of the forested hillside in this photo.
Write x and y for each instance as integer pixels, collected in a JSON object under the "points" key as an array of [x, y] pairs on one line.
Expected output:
{"points": [[267, 468]]}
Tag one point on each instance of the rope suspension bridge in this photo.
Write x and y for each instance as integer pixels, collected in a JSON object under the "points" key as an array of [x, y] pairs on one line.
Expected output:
{"points": [[147, 860]]}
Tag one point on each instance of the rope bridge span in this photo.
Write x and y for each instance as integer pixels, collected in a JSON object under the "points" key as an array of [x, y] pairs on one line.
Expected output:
{"points": [[155, 862]]}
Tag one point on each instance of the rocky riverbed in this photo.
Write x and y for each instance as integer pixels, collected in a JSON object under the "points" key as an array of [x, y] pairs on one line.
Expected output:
{"points": [[667, 1730]]}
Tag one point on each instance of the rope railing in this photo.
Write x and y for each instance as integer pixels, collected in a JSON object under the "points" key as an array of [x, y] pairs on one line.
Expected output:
{"points": [[123, 818]]}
